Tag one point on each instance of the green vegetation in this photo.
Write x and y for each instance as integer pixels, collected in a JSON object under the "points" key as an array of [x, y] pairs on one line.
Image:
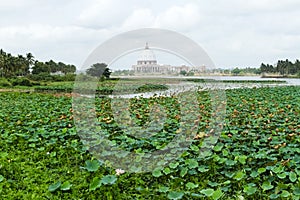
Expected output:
{"points": [[151, 87], [256, 156], [99, 70], [123, 72], [5, 83], [237, 71], [17, 82], [45, 77], [183, 72], [283, 67], [254, 81], [199, 80], [15, 67], [52, 67], [43, 157], [12, 66], [104, 88], [107, 87]]}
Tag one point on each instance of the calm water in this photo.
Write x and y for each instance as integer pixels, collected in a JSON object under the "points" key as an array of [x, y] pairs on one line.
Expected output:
{"points": [[187, 86], [290, 81]]}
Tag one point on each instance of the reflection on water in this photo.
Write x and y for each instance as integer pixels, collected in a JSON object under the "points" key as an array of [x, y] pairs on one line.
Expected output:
{"points": [[191, 86], [290, 81], [184, 86]]}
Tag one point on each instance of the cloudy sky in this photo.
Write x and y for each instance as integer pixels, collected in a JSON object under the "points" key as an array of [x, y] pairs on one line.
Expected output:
{"points": [[232, 32]]}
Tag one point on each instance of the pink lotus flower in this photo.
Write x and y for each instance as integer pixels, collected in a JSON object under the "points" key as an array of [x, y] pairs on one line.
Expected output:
{"points": [[119, 172]]}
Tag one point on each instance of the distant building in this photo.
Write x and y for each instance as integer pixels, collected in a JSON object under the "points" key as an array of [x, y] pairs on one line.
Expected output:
{"points": [[147, 64], [59, 73]]}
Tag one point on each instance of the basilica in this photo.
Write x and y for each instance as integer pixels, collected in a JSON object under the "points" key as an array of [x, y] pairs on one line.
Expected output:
{"points": [[147, 64]]}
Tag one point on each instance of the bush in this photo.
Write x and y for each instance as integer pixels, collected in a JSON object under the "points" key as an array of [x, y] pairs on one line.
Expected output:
{"points": [[151, 87], [69, 77], [21, 82], [4, 83], [51, 78], [84, 77], [40, 77], [190, 73]]}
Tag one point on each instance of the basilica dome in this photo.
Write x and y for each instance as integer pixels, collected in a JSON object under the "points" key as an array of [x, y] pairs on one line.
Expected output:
{"points": [[147, 55]]}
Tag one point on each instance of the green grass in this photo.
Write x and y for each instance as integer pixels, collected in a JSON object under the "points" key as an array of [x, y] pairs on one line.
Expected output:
{"points": [[105, 88], [256, 156]]}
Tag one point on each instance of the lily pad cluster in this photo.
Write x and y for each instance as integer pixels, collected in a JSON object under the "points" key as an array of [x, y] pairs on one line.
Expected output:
{"points": [[256, 156]]}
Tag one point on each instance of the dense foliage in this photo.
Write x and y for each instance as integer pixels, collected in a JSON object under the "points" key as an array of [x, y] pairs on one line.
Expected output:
{"points": [[247, 70], [256, 156], [52, 67], [199, 80], [20, 65], [283, 67], [99, 70], [123, 72], [237, 71], [14, 65], [104, 88]]}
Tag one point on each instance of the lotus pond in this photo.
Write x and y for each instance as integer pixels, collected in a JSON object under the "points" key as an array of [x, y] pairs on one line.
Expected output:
{"points": [[256, 155]]}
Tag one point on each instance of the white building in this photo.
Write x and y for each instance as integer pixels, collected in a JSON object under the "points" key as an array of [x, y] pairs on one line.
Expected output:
{"points": [[147, 64]]}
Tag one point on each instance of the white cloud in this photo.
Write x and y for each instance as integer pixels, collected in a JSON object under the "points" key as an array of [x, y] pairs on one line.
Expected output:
{"points": [[70, 44], [103, 13], [142, 17], [234, 32], [179, 17]]}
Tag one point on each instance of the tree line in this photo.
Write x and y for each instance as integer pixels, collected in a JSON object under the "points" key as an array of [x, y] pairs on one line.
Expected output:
{"points": [[20, 65], [99, 70], [53, 67], [283, 67]]}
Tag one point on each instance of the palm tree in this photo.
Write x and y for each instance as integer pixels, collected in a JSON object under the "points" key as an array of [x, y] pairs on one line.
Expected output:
{"points": [[8, 65], [21, 65], [2, 62], [30, 62]]}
